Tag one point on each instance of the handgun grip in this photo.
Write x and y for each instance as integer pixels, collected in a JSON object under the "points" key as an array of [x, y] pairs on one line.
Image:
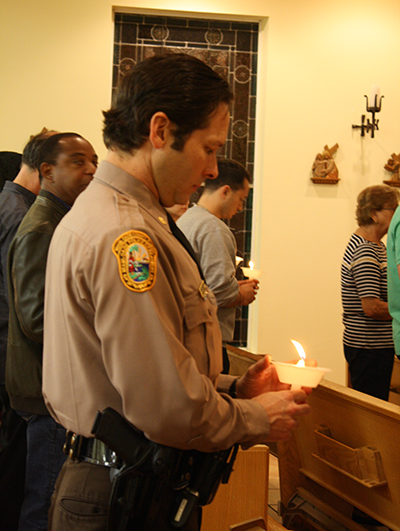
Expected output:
{"points": [[119, 435]]}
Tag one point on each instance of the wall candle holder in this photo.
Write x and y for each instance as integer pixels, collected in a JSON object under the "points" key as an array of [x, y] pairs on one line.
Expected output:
{"points": [[371, 126]]}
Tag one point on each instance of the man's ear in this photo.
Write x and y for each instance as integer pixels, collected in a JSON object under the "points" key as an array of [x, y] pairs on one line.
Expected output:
{"points": [[160, 129], [46, 170], [225, 191]]}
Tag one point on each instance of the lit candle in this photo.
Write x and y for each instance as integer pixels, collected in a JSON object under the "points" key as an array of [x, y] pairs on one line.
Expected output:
{"points": [[302, 354], [250, 272], [299, 375], [301, 362]]}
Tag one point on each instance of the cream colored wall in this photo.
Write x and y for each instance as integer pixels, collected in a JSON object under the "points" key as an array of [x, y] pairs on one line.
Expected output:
{"points": [[316, 63], [320, 61]]}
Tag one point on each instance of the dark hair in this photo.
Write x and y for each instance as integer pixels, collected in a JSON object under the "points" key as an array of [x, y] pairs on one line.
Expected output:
{"points": [[230, 172], [181, 86], [372, 198], [10, 164], [51, 149], [30, 155]]}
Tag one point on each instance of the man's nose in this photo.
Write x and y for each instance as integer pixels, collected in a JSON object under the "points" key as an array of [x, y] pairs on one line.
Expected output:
{"points": [[241, 205], [212, 171], [91, 168]]}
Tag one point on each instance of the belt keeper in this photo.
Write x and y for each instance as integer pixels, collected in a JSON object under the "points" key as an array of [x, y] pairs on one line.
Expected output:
{"points": [[67, 444], [75, 446]]}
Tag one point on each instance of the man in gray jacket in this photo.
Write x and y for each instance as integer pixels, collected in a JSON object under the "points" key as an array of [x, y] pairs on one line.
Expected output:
{"points": [[215, 246]]}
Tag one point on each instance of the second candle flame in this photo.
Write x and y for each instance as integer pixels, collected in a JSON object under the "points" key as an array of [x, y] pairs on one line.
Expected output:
{"points": [[301, 352]]}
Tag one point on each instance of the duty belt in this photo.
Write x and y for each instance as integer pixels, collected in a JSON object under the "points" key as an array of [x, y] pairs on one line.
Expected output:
{"points": [[91, 450]]}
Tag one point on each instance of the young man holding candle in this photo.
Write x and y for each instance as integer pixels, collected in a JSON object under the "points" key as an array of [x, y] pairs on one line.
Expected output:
{"points": [[215, 246]]}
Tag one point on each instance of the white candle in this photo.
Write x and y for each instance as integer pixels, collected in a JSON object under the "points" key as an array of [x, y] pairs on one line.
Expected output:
{"points": [[375, 92], [301, 362], [250, 272], [290, 373]]}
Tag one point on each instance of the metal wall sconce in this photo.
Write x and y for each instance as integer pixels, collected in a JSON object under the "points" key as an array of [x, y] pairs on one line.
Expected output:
{"points": [[376, 107]]}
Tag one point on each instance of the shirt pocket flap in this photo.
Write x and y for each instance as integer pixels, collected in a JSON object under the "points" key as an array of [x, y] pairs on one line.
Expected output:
{"points": [[199, 310]]}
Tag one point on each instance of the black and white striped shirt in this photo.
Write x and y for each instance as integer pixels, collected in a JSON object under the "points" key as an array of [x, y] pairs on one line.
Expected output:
{"points": [[364, 274]]}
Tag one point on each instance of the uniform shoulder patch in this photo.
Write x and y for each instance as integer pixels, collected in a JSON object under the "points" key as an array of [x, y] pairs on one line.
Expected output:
{"points": [[137, 260]]}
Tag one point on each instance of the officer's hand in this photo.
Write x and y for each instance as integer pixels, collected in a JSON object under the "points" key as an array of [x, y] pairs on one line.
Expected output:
{"points": [[284, 408], [262, 377]]}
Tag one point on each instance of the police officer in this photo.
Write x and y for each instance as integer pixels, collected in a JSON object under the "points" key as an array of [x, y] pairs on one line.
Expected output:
{"points": [[129, 323]]}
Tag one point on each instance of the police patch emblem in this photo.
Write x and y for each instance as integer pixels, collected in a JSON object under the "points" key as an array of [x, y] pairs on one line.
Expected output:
{"points": [[137, 260]]}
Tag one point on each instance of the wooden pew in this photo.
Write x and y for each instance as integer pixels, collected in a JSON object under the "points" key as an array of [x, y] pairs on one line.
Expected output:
{"points": [[245, 496], [343, 459]]}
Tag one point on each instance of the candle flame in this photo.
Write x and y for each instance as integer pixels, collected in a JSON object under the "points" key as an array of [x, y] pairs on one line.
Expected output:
{"points": [[301, 353], [251, 264]]}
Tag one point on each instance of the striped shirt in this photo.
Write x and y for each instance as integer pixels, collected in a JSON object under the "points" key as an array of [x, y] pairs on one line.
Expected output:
{"points": [[364, 274]]}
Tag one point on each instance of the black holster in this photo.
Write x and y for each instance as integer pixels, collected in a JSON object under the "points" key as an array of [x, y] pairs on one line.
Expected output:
{"points": [[151, 471]]}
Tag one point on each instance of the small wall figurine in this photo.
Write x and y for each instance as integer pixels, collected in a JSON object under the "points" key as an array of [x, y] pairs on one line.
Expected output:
{"points": [[393, 166], [324, 168]]}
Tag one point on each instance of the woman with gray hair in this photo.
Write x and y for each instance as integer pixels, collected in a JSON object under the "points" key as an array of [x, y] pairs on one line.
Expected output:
{"points": [[367, 340]]}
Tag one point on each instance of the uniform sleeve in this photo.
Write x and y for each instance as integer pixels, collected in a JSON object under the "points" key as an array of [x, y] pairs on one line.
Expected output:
{"points": [[28, 259], [367, 272], [158, 348], [151, 351]]}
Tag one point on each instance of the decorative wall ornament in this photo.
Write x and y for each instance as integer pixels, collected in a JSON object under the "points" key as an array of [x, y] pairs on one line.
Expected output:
{"points": [[324, 168], [393, 166], [373, 106]]}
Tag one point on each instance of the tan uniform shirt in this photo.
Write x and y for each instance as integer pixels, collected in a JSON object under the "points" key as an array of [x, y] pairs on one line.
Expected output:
{"points": [[152, 351]]}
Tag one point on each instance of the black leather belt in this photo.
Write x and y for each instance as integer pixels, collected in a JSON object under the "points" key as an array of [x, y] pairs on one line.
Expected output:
{"points": [[91, 450]]}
